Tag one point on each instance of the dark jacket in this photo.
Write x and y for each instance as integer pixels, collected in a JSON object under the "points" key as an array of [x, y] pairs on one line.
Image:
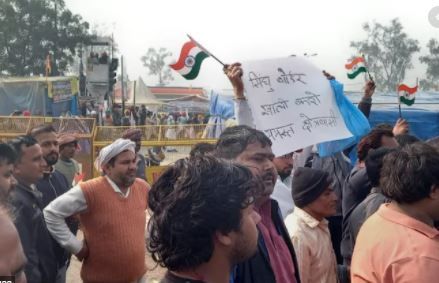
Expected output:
{"points": [[141, 166], [258, 268], [356, 219], [142, 116], [27, 207], [51, 186], [355, 189], [338, 165]]}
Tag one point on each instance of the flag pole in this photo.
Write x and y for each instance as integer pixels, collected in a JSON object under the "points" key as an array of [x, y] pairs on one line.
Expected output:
{"points": [[205, 50], [367, 69], [399, 106], [399, 102]]}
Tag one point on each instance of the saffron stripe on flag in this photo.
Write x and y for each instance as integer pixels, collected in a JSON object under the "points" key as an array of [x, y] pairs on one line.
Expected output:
{"points": [[193, 53], [183, 54], [196, 67], [353, 75], [354, 62], [408, 89]]}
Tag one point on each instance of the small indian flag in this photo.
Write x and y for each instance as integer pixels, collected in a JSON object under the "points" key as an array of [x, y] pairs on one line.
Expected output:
{"points": [[355, 67], [407, 94], [189, 63]]}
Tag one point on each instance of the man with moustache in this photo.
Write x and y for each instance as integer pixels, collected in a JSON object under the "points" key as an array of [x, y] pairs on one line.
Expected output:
{"points": [[282, 188], [275, 260], [135, 135], [69, 167], [283, 164], [111, 211], [315, 201], [26, 205], [52, 185]]}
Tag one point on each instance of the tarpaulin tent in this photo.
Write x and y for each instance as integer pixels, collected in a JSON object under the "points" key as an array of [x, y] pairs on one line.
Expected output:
{"points": [[52, 96], [138, 95], [423, 123]]}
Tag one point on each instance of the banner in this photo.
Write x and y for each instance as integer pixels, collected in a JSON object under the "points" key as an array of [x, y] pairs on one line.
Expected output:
{"points": [[292, 103], [60, 91]]}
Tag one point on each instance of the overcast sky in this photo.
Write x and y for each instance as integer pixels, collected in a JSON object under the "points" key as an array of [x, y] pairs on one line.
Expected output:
{"points": [[236, 30]]}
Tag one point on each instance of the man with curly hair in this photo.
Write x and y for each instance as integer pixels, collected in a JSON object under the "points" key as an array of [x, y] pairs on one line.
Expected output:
{"points": [[276, 259], [203, 221]]}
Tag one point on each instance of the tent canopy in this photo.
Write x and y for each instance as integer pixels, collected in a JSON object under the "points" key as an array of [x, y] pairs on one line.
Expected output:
{"points": [[142, 94]]}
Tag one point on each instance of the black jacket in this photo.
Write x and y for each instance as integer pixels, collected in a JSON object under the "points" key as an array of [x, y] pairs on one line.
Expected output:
{"points": [[41, 264], [258, 268], [355, 189], [357, 217], [51, 186]]}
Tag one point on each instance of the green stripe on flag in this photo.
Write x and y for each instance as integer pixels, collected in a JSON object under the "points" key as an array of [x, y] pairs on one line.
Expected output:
{"points": [[362, 69], [196, 67], [406, 101]]}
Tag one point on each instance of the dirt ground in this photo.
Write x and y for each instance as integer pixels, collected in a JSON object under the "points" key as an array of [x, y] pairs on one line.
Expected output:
{"points": [[73, 273]]}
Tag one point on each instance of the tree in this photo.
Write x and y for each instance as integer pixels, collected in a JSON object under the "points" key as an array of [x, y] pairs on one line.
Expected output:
{"points": [[432, 61], [388, 51], [155, 61], [30, 30]]}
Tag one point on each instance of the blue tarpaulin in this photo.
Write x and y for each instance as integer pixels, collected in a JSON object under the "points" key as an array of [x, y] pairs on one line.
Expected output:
{"points": [[220, 110], [423, 123], [354, 119]]}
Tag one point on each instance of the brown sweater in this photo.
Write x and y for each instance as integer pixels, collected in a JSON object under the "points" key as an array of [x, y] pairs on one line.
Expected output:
{"points": [[114, 229]]}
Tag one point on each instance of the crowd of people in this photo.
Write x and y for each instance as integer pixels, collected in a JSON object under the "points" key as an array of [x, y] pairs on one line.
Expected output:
{"points": [[142, 116], [230, 212]]}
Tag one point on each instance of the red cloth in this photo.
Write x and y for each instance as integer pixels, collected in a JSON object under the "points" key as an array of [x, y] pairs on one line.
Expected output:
{"points": [[280, 257]]}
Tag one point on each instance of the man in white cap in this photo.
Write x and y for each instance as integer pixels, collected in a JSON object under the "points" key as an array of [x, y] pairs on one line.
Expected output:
{"points": [[111, 211]]}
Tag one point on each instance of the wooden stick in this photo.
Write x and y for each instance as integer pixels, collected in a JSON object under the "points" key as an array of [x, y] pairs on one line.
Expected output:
{"points": [[205, 50]]}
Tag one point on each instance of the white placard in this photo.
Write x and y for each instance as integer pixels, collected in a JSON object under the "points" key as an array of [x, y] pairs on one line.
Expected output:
{"points": [[292, 103]]}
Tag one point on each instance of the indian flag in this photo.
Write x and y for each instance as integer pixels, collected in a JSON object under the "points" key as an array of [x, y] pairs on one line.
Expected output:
{"points": [[189, 63], [407, 94], [356, 67]]}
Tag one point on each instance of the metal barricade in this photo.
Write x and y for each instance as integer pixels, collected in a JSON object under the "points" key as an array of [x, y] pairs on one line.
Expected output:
{"points": [[176, 142], [83, 128]]}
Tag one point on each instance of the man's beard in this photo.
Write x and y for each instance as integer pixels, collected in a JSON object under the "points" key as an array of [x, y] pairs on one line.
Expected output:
{"points": [[283, 175], [51, 159], [243, 251], [127, 181]]}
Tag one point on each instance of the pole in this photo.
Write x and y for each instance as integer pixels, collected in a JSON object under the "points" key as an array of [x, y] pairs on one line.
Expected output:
{"points": [[367, 69], [399, 103], [134, 94], [205, 50], [112, 44], [81, 72], [122, 85], [55, 47]]}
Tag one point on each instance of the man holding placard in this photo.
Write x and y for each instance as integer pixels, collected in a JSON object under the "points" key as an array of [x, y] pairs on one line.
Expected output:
{"points": [[284, 163], [275, 260]]}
